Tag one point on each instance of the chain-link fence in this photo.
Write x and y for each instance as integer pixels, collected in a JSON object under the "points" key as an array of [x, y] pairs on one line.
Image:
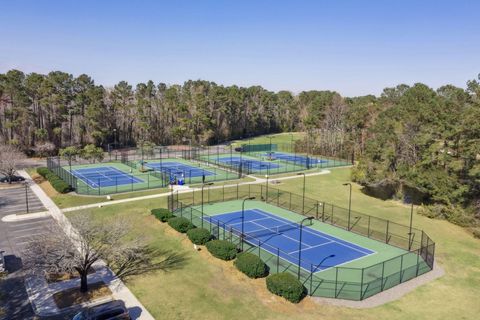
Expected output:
{"points": [[417, 255]]}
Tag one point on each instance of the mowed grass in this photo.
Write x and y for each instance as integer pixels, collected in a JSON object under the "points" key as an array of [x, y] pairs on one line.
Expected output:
{"points": [[208, 288], [276, 138]]}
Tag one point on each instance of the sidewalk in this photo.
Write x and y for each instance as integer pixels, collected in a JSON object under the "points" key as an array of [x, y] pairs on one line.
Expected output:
{"points": [[188, 189], [118, 288]]}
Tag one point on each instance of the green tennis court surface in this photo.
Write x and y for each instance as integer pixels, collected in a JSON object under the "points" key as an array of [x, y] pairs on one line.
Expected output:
{"points": [[377, 266]]}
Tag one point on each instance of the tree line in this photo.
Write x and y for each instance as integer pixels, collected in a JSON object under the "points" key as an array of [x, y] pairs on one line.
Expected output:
{"points": [[410, 141]]}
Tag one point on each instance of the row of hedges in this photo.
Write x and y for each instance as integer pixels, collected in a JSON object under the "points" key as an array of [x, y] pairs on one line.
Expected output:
{"points": [[57, 183], [282, 284]]}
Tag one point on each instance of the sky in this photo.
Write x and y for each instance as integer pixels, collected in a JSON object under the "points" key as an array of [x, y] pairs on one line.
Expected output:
{"points": [[355, 47]]}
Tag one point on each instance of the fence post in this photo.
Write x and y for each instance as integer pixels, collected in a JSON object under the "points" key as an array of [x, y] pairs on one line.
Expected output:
{"points": [[278, 259], [290, 204], [401, 268], [323, 212], [383, 275], [386, 233], [368, 230], [336, 280], [237, 191], [418, 263], [311, 279], [316, 213], [278, 197], [361, 284]]}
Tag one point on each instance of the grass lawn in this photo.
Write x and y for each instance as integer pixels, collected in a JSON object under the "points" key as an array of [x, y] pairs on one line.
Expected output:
{"points": [[207, 288], [276, 138]]}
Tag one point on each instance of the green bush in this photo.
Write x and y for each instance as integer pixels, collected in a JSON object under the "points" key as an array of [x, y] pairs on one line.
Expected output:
{"points": [[199, 235], [57, 183], [162, 214], [286, 285], [251, 265], [43, 171], [222, 249], [180, 224], [476, 233]]}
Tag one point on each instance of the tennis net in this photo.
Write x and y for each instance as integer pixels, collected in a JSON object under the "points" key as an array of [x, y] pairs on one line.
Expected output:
{"points": [[276, 230]]}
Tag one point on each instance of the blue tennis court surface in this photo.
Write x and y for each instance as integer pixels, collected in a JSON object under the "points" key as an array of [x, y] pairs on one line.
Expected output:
{"points": [[104, 177], [248, 163], [295, 158], [275, 233], [179, 169]]}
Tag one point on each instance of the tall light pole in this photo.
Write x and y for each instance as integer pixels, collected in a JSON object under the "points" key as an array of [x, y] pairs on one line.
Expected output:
{"points": [[243, 218], [303, 199], [410, 229], [349, 203], [266, 194], [270, 137], [300, 244], [203, 185]]}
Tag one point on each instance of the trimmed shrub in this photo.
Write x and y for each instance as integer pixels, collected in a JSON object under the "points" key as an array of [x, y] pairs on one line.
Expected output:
{"points": [[222, 249], [180, 224], [286, 285], [162, 214], [251, 265], [199, 235], [43, 171], [57, 183]]}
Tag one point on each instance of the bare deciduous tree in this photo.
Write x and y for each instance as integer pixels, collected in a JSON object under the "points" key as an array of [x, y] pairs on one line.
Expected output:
{"points": [[92, 241], [9, 158]]}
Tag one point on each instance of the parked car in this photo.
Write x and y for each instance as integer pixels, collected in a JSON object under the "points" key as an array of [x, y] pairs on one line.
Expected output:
{"points": [[112, 310], [12, 179]]}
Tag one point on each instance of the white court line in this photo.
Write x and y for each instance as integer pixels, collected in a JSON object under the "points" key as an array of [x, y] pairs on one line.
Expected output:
{"points": [[318, 235], [312, 247], [248, 221], [282, 235]]}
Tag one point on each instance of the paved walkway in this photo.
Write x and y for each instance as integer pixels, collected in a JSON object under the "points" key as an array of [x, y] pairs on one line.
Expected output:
{"points": [[118, 288]]}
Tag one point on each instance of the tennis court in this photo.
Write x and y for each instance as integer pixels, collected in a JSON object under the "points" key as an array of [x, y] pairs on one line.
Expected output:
{"points": [[178, 169], [318, 249], [303, 160], [104, 177], [248, 163]]}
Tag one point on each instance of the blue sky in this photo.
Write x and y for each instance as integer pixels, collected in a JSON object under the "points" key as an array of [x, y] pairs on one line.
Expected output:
{"points": [[353, 47]]}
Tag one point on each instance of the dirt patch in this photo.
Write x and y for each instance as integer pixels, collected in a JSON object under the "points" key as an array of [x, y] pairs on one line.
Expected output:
{"points": [[239, 283], [63, 276], [44, 184], [73, 296]]}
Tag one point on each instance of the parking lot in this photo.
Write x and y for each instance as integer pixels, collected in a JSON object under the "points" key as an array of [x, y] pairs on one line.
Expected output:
{"points": [[14, 201]]}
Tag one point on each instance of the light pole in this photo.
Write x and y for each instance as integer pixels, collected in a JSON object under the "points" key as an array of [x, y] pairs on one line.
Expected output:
{"points": [[26, 195], [270, 137], [349, 203], [410, 229], [243, 218], [266, 193], [300, 244], [115, 142], [203, 185], [303, 199]]}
